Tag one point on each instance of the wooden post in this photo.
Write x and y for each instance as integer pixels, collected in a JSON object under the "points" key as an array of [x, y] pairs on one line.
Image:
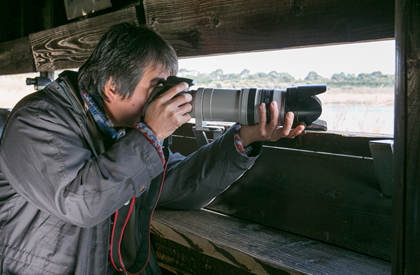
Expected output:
{"points": [[406, 242]]}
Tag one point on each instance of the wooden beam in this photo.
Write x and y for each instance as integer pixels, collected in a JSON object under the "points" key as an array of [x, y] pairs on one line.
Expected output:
{"points": [[406, 246], [8, 21], [16, 57], [201, 242], [198, 28], [334, 198], [331, 198], [69, 46], [344, 143]]}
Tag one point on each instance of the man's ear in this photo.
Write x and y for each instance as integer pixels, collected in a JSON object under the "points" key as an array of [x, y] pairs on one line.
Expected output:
{"points": [[109, 91]]}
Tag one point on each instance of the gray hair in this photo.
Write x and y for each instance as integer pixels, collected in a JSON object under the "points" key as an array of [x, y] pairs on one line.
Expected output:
{"points": [[123, 53]]}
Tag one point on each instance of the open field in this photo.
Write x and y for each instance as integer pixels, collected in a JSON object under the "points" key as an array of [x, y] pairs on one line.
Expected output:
{"points": [[374, 97], [355, 109], [13, 88]]}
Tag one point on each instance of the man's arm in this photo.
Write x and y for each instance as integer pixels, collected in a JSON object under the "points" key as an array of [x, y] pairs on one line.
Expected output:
{"points": [[194, 181]]}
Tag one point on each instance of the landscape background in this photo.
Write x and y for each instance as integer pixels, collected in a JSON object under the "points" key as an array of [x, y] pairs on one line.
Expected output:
{"points": [[353, 103]]}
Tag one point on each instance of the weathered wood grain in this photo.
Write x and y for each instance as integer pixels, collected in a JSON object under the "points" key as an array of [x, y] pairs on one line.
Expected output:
{"points": [[16, 57], [200, 242], [69, 46], [334, 198], [196, 27], [406, 248], [346, 143]]}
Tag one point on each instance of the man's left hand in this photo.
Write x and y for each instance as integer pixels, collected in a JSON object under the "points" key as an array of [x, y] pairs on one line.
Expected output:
{"points": [[264, 131]]}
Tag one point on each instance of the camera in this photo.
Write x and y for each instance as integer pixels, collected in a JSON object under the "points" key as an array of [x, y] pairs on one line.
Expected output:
{"points": [[242, 105]]}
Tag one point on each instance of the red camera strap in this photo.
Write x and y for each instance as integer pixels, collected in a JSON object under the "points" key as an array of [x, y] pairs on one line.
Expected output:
{"points": [[120, 227]]}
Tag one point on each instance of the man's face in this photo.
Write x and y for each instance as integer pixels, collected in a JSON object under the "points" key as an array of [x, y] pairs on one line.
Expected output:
{"points": [[124, 113]]}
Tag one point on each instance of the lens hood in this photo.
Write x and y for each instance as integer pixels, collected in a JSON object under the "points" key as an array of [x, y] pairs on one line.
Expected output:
{"points": [[304, 103]]}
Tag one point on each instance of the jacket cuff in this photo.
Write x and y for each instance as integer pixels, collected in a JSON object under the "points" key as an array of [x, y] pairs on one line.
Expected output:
{"points": [[252, 150]]}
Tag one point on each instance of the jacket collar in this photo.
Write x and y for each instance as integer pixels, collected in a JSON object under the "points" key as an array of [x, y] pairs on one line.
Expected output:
{"points": [[68, 81]]}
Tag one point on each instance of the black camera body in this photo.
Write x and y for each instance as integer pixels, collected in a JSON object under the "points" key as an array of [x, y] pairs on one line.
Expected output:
{"points": [[169, 83], [166, 85]]}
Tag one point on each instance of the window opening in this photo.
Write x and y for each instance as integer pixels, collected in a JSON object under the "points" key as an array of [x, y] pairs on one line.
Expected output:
{"points": [[359, 78], [13, 88]]}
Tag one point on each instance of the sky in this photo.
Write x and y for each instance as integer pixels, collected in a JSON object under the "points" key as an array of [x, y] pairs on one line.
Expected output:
{"points": [[352, 58]]}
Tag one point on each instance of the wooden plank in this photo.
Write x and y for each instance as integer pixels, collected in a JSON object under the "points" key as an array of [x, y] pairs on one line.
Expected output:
{"points": [[332, 198], [69, 46], [406, 246], [346, 143], [219, 27], [200, 242], [197, 27], [7, 28], [16, 57], [20, 18], [350, 211], [328, 197]]}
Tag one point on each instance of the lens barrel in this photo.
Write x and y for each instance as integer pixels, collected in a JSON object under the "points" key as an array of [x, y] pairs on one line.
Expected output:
{"points": [[242, 105]]}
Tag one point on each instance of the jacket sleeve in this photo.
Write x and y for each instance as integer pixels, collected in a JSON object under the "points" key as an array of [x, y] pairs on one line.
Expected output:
{"points": [[193, 182], [46, 159]]}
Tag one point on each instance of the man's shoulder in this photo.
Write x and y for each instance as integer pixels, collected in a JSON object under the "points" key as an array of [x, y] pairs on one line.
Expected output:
{"points": [[54, 98], [32, 99]]}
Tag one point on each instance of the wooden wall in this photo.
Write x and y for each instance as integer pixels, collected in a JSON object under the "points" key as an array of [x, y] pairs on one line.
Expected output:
{"points": [[34, 37], [195, 28], [20, 18], [330, 194]]}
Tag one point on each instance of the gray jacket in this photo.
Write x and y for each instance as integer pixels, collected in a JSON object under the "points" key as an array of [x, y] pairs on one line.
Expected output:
{"points": [[57, 191]]}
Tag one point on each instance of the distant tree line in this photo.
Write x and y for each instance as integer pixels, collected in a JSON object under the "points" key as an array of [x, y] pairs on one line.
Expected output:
{"points": [[275, 80]]}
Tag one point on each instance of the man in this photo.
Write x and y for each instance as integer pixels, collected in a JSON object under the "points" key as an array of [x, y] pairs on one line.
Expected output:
{"points": [[75, 156]]}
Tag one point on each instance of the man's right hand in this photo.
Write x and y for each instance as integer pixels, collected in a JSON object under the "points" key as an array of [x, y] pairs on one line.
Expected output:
{"points": [[165, 114]]}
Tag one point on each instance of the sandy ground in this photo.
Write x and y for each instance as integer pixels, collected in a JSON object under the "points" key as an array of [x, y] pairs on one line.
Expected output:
{"points": [[374, 97]]}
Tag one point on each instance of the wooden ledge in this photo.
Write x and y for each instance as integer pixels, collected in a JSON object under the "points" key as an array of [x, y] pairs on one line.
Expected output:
{"points": [[204, 242]]}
